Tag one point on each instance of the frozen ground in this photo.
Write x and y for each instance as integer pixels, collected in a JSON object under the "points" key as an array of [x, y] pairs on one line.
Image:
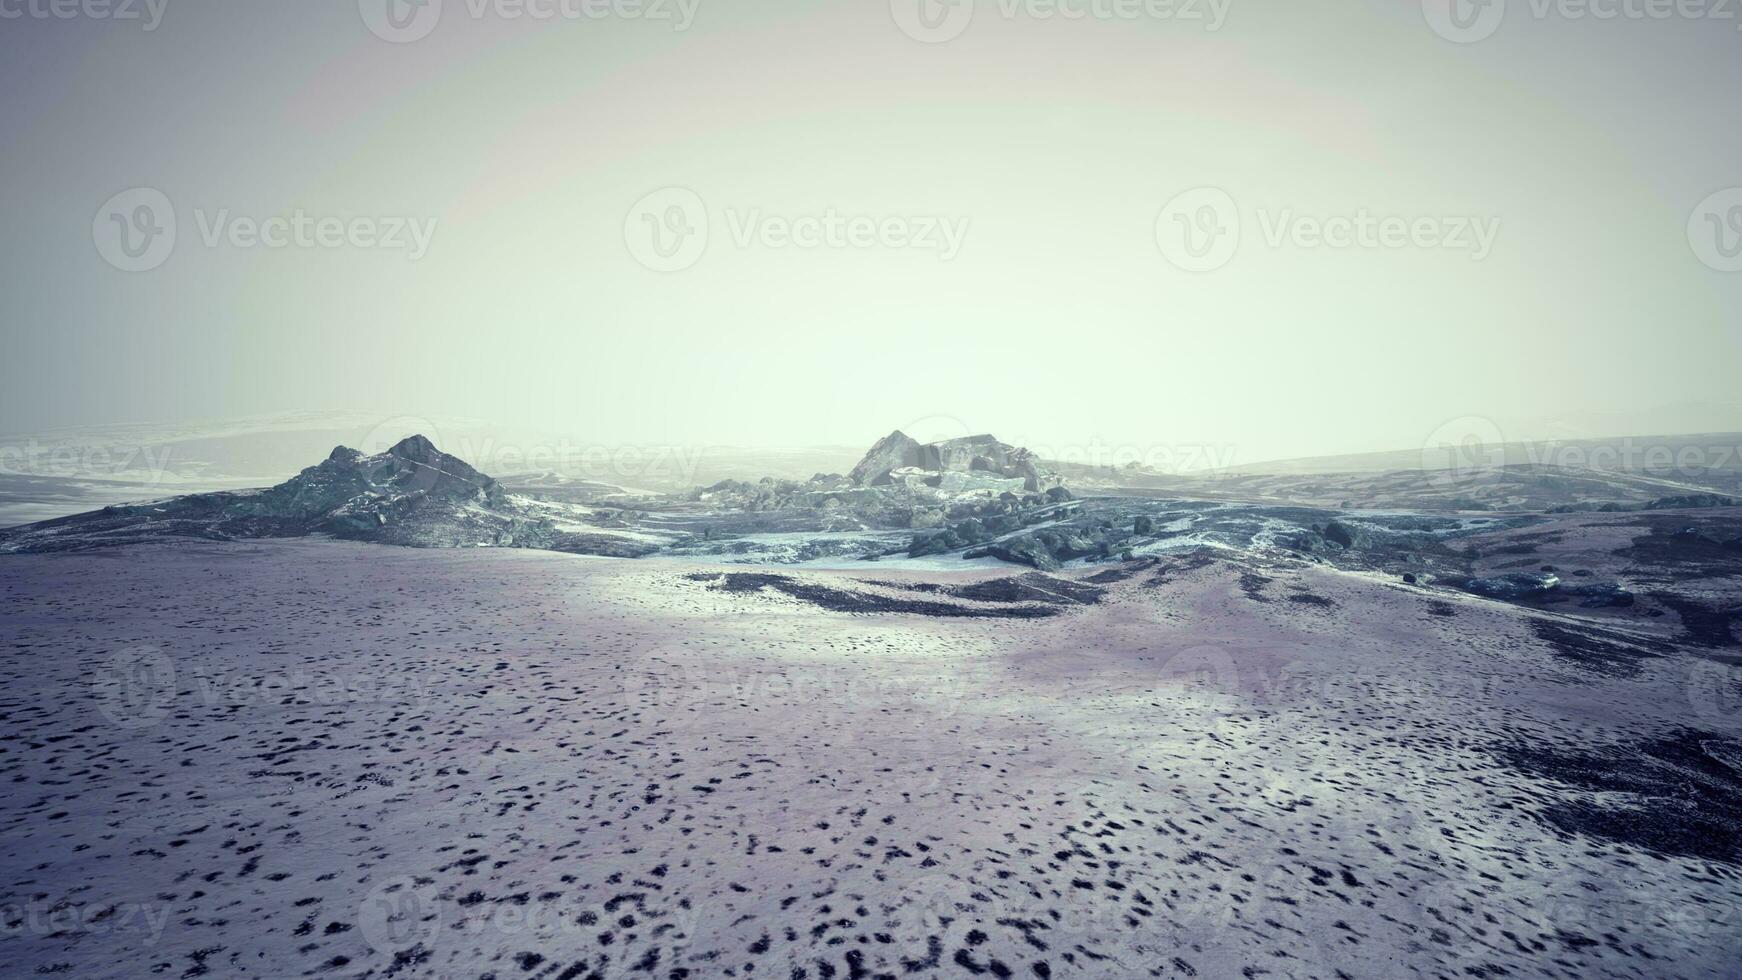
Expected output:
{"points": [[288, 758]]}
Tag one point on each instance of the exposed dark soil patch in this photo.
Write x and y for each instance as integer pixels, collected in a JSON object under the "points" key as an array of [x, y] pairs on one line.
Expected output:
{"points": [[1597, 650], [1684, 793], [1167, 570], [1517, 544], [841, 600], [1033, 587], [1253, 585], [1682, 550], [1122, 572], [1522, 548], [1703, 625]]}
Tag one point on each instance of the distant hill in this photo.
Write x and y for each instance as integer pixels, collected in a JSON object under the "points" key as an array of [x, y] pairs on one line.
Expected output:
{"points": [[1629, 454], [412, 494]]}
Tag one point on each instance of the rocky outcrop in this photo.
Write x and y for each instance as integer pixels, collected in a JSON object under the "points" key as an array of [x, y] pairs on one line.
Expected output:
{"points": [[1511, 587], [968, 463], [1691, 501], [892, 452], [1049, 548], [1331, 538], [351, 493], [1345, 536], [413, 494]]}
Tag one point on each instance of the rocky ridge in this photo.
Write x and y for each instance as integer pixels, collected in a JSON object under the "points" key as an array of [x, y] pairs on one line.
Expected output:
{"points": [[413, 494]]}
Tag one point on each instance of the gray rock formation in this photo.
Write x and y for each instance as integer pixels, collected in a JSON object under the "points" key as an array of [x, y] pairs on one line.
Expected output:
{"points": [[1048, 549], [892, 452], [413, 494], [1513, 586], [897, 458]]}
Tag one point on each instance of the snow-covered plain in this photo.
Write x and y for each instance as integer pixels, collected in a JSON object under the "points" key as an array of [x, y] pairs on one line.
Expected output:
{"points": [[297, 758]]}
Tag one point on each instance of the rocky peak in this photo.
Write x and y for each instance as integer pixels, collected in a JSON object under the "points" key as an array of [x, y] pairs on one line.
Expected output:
{"points": [[892, 452], [411, 472], [418, 449], [981, 454]]}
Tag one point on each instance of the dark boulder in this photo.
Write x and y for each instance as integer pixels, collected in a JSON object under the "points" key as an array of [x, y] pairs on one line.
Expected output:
{"points": [[1345, 536], [1047, 549], [892, 452], [1514, 586]]}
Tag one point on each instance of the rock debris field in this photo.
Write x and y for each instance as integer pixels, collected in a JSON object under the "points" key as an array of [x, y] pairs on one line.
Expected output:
{"points": [[309, 758]]}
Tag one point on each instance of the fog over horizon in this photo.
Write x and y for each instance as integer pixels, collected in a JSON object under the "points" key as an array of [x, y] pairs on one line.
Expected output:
{"points": [[728, 225]]}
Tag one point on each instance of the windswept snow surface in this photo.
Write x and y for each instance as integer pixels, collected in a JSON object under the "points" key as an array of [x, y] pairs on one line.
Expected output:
{"points": [[286, 758]]}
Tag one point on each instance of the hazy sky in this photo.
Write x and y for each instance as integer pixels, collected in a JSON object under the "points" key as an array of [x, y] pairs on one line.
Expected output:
{"points": [[1524, 224]]}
